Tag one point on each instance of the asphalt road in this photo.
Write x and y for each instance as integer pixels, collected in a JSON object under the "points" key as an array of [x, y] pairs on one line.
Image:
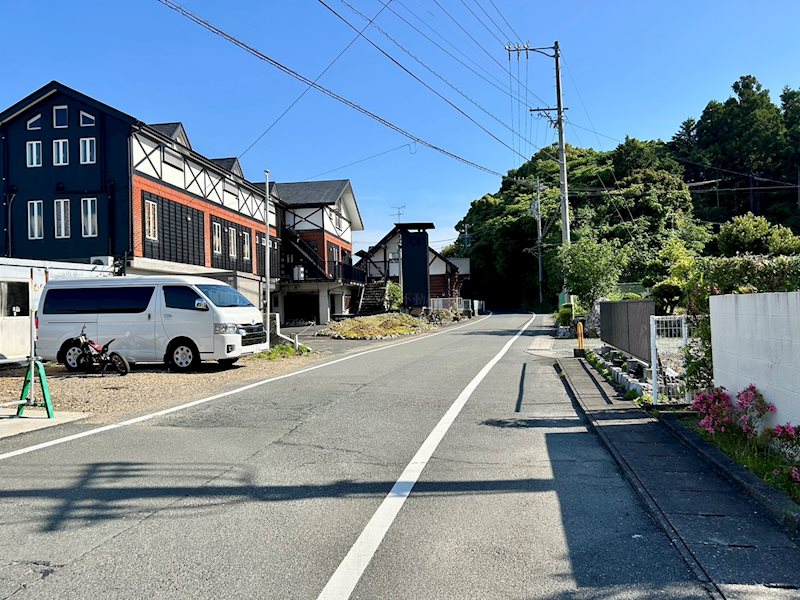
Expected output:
{"points": [[263, 493]]}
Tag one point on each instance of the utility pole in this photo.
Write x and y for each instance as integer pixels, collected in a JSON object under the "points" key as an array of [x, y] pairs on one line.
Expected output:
{"points": [[267, 274], [558, 123]]}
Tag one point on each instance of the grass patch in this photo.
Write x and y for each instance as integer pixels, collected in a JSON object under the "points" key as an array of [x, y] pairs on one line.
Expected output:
{"points": [[281, 351], [758, 458], [376, 327]]}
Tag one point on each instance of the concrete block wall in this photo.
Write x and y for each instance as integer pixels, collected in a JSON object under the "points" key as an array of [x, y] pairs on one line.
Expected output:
{"points": [[755, 339]]}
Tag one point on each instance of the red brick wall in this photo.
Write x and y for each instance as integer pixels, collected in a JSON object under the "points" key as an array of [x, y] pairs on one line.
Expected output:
{"points": [[141, 184], [322, 239]]}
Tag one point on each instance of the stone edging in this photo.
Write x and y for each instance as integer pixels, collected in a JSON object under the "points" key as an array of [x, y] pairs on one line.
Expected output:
{"points": [[782, 508]]}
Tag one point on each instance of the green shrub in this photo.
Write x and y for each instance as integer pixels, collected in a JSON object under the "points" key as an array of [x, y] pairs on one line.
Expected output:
{"points": [[644, 400], [282, 351], [564, 315], [631, 296], [631, 394], [394, 294]]}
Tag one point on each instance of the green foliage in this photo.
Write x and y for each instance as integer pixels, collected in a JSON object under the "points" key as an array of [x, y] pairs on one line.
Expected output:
{"points": [[395, 295], [644, 400], [746, 234], [631, 394], [376, 327], [281, 351], [592, 268], [564, 315]]}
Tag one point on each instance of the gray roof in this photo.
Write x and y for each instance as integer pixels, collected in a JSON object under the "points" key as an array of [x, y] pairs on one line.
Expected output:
{"points": [[167, 129], [312, 192], [229, 164], [174, 131]]}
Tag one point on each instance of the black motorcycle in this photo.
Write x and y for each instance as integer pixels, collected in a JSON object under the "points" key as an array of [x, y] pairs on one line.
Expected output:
{"points": [[89, 356]]}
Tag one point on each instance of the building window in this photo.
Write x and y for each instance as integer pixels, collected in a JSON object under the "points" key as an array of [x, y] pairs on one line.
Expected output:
{"points": [[60, 153], [173, 158], [232, 242], [88, 151], [35, 123], [151, 220], [246, 245], [35, 220], [87, 120], [60, 117], [33, 152], [89, 217], [62, 218], [217, 238]]}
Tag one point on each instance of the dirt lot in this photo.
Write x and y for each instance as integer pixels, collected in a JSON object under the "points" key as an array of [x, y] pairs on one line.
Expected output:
{"points": [[148, 387]]}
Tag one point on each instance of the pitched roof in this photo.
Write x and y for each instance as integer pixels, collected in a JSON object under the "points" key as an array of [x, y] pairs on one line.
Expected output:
{"points": [[322, 193], [229, 164], [312, 193], [55, 87], [173, 131], [273, 191]]}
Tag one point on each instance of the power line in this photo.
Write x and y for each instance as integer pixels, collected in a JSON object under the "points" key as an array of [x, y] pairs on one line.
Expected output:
{"points": [[409, 146], [496, 83], [483, 10], [470, 36], [485, 26], [349, 103], [415, 77], [516, 35], [431, 70], [305, 91]]}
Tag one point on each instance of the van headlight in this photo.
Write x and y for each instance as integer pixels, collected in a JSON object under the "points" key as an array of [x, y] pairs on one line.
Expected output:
{"points": [[226, 328]]}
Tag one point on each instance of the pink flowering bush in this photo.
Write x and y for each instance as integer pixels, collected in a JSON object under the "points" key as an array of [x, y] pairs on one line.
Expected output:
{"points": [[715, 409], [751, 408], [737, 429]]}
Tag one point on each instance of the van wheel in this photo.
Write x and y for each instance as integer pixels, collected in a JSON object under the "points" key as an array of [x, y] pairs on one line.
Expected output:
{"points": [[73, 357], [183, 356]]}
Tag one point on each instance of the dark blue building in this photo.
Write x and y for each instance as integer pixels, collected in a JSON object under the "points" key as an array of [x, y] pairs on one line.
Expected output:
{"points": [[64, 177]]}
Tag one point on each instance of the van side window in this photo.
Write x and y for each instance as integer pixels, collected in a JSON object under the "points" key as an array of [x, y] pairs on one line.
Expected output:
{"points": [[72, 301], [180, 296]]}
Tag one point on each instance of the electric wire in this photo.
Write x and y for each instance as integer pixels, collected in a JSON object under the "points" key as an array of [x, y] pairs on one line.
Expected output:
{"points": [[425, 65], [328, 92], [409, 146], [502, 16], [305, 91], [415, 77], [483, 10], [485, 26]]}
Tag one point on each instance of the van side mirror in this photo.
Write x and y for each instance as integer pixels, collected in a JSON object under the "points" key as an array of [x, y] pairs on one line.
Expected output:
{"points": [[200, 304]]}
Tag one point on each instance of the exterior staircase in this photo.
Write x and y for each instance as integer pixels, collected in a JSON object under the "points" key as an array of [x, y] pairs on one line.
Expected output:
{"points": [[374, 299]]}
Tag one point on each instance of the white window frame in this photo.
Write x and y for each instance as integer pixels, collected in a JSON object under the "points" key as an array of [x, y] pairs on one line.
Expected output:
{"points": [[30, 127], [35, 218], [57, 154], [55, 108], [151, 220], [29, 155], [232, 239], [89, 226], [88, 144], [92, 117], [246, 245], [216, 238], [61, 218]]}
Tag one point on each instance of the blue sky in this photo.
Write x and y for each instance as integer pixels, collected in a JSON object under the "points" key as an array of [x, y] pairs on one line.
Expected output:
{"points": [[639, 67]]}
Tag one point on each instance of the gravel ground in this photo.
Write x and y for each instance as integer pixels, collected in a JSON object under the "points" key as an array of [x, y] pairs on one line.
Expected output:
{"points": [[148, 387]]}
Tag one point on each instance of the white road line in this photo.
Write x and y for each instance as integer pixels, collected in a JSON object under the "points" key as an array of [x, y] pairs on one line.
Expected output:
{"points": [[348, 573], [166, 411]]}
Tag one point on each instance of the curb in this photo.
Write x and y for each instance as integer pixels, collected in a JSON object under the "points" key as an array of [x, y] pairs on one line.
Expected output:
{"points": [[645, 497], [777, 504]]}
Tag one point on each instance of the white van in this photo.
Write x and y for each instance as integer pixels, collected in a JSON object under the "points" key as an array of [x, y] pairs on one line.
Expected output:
{"points": [[175, 319]]}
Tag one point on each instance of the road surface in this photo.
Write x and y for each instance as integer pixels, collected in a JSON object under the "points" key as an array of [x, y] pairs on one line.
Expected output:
{"points": [[450, 466]]}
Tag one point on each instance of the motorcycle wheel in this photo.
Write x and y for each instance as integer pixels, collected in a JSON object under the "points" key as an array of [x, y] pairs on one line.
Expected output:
{"points": [[120, 363]]}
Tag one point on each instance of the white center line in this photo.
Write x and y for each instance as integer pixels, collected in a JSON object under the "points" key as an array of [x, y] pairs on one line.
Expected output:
{"points": [[166, 411], [349, 572]]}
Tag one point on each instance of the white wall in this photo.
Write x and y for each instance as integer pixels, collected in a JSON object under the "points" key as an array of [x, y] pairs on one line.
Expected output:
{"points": [[756, 339]]}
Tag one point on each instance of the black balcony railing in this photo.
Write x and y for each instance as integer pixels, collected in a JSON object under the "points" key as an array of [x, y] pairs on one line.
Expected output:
{"points": [[346, 273]]}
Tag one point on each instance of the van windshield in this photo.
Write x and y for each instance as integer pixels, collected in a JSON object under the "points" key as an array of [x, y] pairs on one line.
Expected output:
{"points": [[223, 296]]}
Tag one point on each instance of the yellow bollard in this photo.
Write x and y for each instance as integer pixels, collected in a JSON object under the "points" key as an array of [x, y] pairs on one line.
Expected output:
{"points": [[580, 335]]}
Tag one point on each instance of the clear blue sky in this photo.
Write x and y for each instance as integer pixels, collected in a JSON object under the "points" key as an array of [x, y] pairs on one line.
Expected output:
{"points": [[640, 67]]}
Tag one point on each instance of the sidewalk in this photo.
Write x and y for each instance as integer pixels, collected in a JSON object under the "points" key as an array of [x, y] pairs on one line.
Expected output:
{"points": [[731, 544]]}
